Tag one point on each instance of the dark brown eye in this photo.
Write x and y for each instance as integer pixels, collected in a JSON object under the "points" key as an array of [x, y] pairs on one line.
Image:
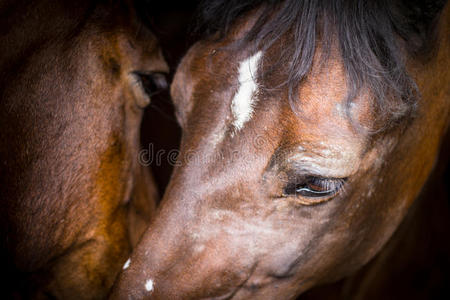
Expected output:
{"points": [[152, 82], [314, 187]]}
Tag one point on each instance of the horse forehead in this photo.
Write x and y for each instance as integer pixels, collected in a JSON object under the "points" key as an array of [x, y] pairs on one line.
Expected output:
{"points": [[323, 98], [324, 88], [320, 119]]}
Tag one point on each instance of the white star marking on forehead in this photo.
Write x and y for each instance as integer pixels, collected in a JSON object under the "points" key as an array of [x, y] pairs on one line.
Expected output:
{"points": [[244, 100], [149, 285]]}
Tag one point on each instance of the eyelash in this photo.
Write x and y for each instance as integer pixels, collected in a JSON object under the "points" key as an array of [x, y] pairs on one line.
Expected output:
{"points": [[314, 187]]}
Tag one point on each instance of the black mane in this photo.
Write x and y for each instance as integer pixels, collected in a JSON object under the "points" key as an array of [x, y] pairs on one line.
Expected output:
{"points": [[372, 37]]}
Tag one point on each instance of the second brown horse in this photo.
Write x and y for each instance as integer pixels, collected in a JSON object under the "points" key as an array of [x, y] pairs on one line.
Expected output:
{"points": [[74, 199]]}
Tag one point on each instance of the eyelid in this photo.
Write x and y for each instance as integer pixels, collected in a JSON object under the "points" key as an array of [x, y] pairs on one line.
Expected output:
{"points": [[141, 98], [330, 183], [312, 168], [333, 165], [291, 191]]}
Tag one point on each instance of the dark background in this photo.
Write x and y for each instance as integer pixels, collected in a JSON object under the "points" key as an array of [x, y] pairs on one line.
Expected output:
{"points": [[173, 23]]}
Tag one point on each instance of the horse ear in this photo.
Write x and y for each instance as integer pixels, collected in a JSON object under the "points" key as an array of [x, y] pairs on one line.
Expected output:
{"points": [[428, 9], [143, 11], [423, 14], [416, 21]]}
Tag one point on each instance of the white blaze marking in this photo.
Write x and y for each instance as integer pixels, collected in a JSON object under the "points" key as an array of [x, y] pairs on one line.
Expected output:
{"points": [[127, 264], [243, 101], [149, 285]]}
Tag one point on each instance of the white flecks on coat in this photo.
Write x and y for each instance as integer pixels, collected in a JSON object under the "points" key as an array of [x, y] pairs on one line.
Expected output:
{"points": [[199, 248], [244, 100], [149, 285], [127, 264]]}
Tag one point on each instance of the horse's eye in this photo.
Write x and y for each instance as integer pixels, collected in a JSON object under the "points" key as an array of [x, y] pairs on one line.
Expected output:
{"points": [[314, 187], [147, 85], [153, 82]]}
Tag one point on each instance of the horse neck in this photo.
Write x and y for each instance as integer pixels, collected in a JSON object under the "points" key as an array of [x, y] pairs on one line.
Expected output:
{"points": [[414, 249], [418, 242], [412, 254]]}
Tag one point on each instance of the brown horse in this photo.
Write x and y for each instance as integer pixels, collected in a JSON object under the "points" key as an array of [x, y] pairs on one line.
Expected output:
{"points": [[74, 79], [309, 129]]}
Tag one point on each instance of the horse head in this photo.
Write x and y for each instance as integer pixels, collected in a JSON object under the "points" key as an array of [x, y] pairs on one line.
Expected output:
{"points": [[303, 148], [73, 88]]}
